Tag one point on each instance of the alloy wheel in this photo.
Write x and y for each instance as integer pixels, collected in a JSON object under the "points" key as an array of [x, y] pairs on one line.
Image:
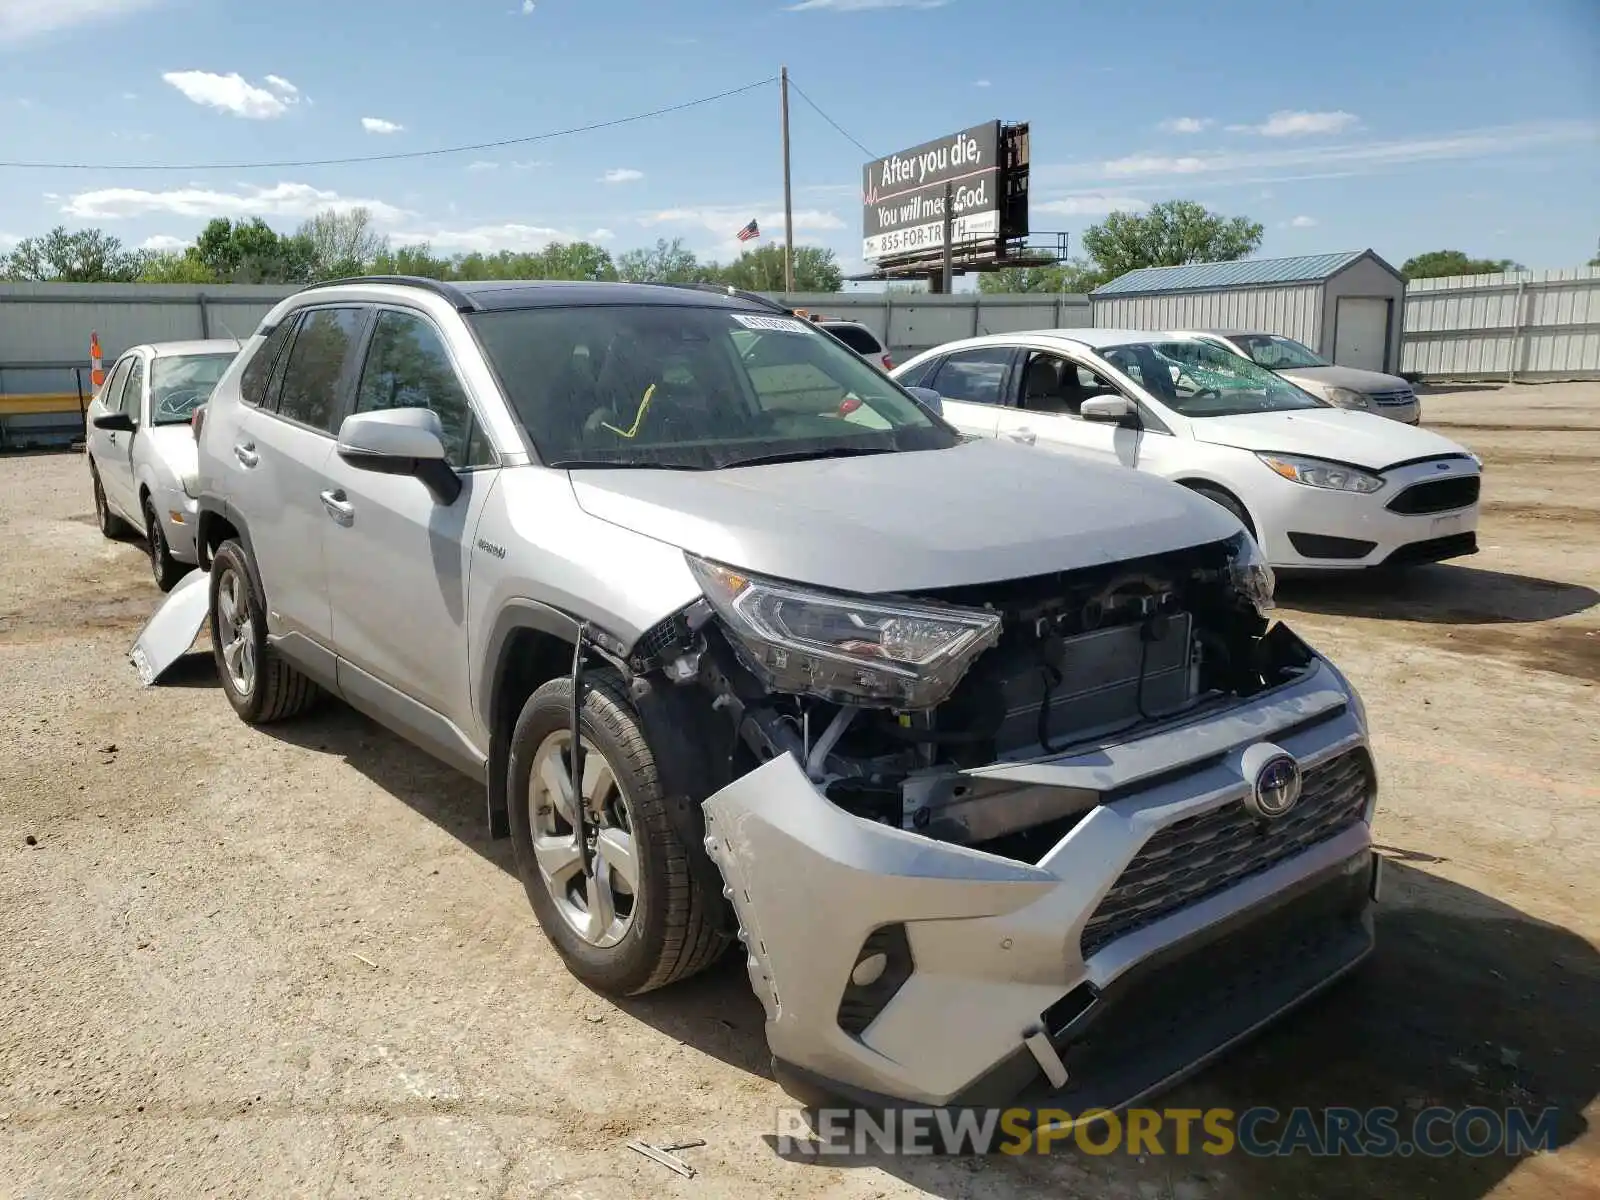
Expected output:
{"points": [[236, 629], [600, 905]]}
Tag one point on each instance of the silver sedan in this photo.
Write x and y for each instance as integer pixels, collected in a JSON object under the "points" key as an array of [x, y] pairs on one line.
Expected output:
{"points": [[142, 452]]}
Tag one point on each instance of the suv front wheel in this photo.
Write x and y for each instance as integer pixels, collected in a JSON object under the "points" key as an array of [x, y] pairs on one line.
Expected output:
{"points": [[639, 917], [260, 685]]}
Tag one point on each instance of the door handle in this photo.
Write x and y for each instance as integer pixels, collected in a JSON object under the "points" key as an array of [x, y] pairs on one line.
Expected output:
{"points": [[245, 452], [1027, 436], [339, 506]]}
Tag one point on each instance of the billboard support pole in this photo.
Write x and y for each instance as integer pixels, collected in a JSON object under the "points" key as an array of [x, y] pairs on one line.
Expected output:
{"points": [[788, 201], [949, 236]]}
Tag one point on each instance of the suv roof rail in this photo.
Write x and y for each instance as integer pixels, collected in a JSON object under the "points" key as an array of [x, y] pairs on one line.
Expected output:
{"points": [[457, 297], [727, 289]]}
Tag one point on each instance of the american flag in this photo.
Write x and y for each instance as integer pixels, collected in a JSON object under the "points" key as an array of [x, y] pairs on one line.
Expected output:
{"points": [[750, 231]]}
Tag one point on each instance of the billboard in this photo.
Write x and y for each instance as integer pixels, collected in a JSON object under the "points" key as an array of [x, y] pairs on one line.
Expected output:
{"points": [[904, 195]]}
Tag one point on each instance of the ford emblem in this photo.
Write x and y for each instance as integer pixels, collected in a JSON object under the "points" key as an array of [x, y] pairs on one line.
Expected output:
{"points": [[1275, 781]]}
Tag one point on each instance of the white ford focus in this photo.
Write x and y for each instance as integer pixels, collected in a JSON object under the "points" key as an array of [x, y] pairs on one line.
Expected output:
{"points": [[1320, 487]]}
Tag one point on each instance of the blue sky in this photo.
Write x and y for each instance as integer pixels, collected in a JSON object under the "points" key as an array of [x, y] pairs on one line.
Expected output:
{"points": [[1404, 126]]}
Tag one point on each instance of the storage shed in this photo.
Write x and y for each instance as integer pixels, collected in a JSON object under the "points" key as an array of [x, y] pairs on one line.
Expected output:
{"points": [[1348, 307]]}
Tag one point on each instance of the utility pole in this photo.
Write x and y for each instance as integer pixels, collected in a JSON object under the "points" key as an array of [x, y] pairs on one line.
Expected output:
{"points": [[788, 195], [949, 236]]}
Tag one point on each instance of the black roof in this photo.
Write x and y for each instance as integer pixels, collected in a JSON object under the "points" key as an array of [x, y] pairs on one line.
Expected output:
{"points": [[489, 295]]}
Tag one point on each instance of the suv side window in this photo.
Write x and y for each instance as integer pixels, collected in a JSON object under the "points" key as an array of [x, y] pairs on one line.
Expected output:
{"points": [[253, 380], [975, 376], [856, 337], [133, 389], [408, 367], [314, 365]]}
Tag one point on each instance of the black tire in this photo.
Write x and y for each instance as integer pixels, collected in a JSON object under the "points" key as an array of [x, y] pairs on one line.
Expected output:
{"points": [[277, 690], [111, 525], [166, 569], [1226, 499], [679, 920]]}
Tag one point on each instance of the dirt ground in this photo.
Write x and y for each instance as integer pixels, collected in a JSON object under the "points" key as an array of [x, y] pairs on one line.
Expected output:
{"points": [[289, 963]]}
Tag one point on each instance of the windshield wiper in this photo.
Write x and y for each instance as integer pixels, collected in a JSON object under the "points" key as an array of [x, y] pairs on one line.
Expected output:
{"points": [[784, 456], [627, 464]]}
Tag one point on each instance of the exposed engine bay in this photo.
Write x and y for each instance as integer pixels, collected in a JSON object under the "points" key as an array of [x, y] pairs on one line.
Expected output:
{"points": [[1049, 663]]}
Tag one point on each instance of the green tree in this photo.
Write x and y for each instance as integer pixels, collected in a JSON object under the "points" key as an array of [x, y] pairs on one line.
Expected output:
{"points": [[665, 262], [84, 256], [1170, 234], [418, 260], [253, 252], [575, 260], [342, 243], [167, 266], [1437, 263], [761, 270], [1076, 277]]}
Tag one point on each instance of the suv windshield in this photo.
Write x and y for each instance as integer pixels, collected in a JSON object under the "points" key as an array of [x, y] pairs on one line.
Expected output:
{"points": [[1277, 353], [1197, 379], [693, 387], [180, 382]]}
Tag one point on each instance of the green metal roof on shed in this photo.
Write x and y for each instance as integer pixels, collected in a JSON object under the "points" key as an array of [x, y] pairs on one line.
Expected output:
{"points": [[1257, 272]]}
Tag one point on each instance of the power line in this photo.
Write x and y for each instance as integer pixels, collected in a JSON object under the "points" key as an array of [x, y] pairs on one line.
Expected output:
{"points": [[829, 119], [398, 155]]}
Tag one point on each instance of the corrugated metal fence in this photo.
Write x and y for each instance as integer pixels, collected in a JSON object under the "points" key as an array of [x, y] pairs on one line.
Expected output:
{"points": [[1524, 325]]}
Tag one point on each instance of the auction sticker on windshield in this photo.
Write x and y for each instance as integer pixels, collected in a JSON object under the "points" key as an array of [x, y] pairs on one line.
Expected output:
{"points": [[774, 324]]}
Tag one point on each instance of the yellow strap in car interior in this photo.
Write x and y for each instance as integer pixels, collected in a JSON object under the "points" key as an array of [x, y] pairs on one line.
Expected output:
{"points": [[644, 404]]}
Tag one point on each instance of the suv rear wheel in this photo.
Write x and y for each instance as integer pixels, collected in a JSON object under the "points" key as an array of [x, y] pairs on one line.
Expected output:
{"points": [[260, 685], [640, 917]]}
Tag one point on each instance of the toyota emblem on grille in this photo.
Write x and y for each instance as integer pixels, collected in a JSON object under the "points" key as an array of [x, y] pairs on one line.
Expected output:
{"points": [[1275, 781]]}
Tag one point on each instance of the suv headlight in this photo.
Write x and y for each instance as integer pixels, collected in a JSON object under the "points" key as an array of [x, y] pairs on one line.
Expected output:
{"points": [[1319, 473], [1250, 573], [1346, 398], [849, 649]]}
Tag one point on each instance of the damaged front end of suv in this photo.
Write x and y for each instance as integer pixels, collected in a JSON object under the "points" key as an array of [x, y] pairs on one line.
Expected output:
{"points": [[1077, 832]]}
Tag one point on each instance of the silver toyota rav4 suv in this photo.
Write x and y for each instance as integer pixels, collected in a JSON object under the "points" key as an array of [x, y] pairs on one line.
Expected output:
{"points": [[1003, 776]]}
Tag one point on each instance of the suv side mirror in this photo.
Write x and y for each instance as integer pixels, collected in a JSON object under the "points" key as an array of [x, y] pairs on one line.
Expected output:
{"points": [[401, 441], [114, 422], [929, 399], [1115, 409]]}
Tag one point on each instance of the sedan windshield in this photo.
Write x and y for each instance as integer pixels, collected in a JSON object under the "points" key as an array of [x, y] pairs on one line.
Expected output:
{"points": [[181, 382], [693, 387], [1198, 379], [1277, 353]]}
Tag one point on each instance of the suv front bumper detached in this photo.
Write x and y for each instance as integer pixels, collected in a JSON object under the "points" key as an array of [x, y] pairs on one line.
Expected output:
{"points": [[1167, 923]]}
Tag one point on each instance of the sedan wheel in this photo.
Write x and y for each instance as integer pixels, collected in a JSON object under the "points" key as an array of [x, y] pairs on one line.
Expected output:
{"points": [[597, 906]]}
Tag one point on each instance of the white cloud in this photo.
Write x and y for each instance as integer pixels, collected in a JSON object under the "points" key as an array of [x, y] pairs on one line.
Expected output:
{"points": [[1186, 125], [233, 93], [601, 235], [164, 243], [20, 19], [1326, 161], [486, 239], [529, 165], [1286, 123], [981, 83], [279, 83], [527, 8], [1092, 204], [622, 175], [862, 5], [1303, 222], [130, 95], [8, 240], [294, 200], [483, 164], [379, 125]]}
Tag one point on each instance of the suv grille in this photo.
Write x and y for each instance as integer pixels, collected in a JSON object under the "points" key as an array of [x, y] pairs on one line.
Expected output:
{"points": [[1200, 856], [1437, 495]]}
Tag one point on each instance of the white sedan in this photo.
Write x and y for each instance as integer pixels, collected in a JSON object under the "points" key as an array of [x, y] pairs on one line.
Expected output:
{"points": [[1319, 487], [142, 458]]}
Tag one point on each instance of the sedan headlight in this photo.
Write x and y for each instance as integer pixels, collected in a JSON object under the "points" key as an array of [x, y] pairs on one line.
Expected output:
{"points": [[848, 649], [1346, 398], [1319, 473], [1250, 573]]}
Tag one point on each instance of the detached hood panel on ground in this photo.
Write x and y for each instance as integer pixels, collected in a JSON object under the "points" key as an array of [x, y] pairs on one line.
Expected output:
{"points": [[1359, 438], [1345, 377], [981, 512]]}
